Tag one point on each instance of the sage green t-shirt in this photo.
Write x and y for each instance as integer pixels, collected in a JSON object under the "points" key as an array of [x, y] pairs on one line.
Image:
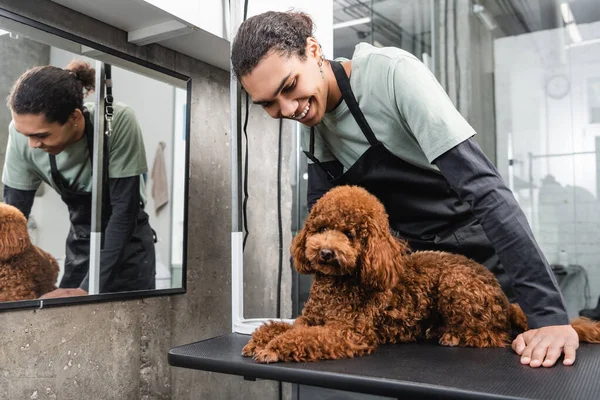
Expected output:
{"points": [[406, 107], [25, 168]]}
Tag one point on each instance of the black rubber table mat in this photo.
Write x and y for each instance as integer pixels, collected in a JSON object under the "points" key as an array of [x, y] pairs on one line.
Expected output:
{"points": [[412, 371]]}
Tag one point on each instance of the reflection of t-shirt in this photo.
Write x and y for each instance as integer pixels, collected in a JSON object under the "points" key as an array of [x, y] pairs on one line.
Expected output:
{"points": [[25, 168], [407, 109]]}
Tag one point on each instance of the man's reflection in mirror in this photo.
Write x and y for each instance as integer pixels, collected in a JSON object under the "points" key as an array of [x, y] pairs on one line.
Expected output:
{"points": [[51, 140]]}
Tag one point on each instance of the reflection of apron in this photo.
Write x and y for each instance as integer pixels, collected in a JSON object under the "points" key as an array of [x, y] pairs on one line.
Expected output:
{"points": [[422, 207], [136, 267]]}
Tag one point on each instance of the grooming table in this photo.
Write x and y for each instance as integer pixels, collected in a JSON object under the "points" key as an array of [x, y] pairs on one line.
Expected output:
{"points": [[411, 371]]}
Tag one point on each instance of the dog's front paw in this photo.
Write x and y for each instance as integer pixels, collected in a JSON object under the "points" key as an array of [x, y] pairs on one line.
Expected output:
{"points": [[449, 340], [266, 356], [249, 349]]}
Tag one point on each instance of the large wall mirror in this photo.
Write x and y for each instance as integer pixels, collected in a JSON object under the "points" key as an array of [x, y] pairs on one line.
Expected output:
{"points": [[143, 244]]}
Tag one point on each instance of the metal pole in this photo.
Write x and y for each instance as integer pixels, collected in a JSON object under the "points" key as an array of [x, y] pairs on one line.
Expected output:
{"points": [[236, 137], [298, 174], [299, 184], [237, 255], [97, 173]]}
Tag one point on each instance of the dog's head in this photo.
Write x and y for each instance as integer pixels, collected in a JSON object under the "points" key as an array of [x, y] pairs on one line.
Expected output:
{"points": [[347, 233], [14, 237]]}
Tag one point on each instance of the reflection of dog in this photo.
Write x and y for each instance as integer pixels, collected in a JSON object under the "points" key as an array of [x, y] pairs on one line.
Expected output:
{"points": [[26, 271], [369, 289]]}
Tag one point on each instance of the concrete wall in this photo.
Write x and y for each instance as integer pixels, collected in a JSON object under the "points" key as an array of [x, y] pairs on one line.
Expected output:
{"points": [[118, 350], [262, 255], [16, 56]]}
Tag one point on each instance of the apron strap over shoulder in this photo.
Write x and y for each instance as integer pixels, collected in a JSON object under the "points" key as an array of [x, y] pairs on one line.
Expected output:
{"points": [[348, 96]]}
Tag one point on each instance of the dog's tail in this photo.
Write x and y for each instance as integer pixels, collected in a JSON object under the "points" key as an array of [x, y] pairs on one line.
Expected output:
{"points": [[517, 317], [588, 330]]}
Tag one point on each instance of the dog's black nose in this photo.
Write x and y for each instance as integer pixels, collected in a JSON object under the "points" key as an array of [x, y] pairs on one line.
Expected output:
{"points": [[326, 254]]}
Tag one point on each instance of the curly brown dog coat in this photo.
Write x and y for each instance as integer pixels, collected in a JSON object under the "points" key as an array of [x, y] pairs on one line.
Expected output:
{"points": [[26, 271], [369, 289]]}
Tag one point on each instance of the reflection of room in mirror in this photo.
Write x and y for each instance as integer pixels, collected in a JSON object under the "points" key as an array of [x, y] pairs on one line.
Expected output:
{"points": [[159, 109]]}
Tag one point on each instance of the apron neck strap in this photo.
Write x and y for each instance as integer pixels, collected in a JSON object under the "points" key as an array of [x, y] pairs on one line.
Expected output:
{"points": [[89, 134], [311, 154], [348, 96]]}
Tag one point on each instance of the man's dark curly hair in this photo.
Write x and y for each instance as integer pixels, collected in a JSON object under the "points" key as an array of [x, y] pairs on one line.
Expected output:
{"points": [[52, 91], [283, 32]]}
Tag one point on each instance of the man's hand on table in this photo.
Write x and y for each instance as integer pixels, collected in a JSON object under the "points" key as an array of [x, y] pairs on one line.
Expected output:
{"points": [[543, 346]]}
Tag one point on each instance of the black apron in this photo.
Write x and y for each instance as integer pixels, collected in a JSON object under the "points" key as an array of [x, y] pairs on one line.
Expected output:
{"points": [[136, 268], [422, 207]]}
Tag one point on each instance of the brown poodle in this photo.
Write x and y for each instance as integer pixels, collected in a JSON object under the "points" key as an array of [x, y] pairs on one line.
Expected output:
{"points": [[368, 289], [26, 271]]}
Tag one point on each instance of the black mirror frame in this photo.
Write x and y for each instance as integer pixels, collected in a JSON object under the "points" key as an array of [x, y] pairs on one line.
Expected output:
{"points": [[117, 296]]}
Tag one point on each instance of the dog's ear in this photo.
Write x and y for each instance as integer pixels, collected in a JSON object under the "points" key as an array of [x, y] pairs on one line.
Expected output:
{"points": [[14, 237], [298, 250], [382, 260]]}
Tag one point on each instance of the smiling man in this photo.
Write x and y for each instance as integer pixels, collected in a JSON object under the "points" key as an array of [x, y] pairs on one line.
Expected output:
{"points": [[382, 121]]}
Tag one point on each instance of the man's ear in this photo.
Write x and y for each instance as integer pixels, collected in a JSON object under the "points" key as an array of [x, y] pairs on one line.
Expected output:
{"points": [[313, 48], [76, 116]]}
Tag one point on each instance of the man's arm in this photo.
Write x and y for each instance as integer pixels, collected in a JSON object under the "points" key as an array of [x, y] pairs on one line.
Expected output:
{"points": [[125, 202], [22, 199], [475, 179]]}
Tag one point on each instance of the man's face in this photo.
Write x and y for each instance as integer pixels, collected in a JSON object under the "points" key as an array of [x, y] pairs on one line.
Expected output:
{"points": [[49, 137], [288, 87]]}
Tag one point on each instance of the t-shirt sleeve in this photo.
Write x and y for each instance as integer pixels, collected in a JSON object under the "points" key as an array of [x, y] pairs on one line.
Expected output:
{"points": [[427, 110], [126, 146], [18, 172]]}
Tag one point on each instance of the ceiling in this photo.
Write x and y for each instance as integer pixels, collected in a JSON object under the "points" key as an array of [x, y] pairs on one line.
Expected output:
{"points": [[516, 17], [407, 23], [149, 24], [118, 13], [401, 23]]}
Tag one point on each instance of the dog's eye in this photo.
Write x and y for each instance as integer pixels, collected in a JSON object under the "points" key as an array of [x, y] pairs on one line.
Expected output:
{"points": [[349, 234], [322, 229]]}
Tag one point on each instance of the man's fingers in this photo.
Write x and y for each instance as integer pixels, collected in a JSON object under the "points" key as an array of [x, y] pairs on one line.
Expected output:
{"points": [[531, 345], [522, 340], [539, 353], [570, 350], [552, 355], [518, 345]]}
